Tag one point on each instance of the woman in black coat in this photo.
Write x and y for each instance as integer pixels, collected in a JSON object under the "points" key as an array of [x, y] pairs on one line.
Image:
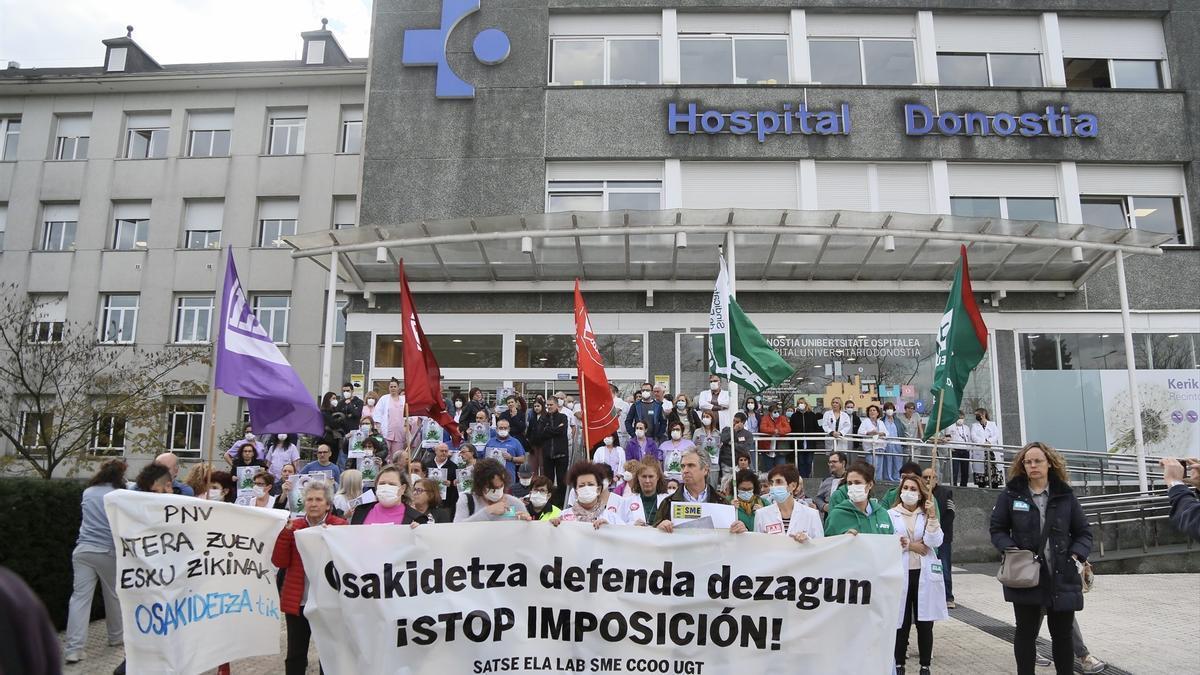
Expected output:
{"points": [[1037, 502]]}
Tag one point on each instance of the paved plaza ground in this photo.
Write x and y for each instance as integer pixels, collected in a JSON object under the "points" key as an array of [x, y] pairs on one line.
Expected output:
{"points": [[1145, 624]]}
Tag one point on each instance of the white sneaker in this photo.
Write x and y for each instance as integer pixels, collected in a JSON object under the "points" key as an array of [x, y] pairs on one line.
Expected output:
{"points": [[74, 657], [1044, 662], [1091, 664]]}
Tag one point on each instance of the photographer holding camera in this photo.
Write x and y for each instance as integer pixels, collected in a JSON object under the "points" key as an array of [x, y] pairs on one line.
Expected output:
{"points": [[1185, 505]]}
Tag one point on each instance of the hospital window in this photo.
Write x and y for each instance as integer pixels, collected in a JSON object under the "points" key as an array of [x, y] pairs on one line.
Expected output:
{"points": [[1113, 74], [604, 60], [1011, 208], [733, 59], [865, 61], [1162, 215], [601, 195], [990, 70]]}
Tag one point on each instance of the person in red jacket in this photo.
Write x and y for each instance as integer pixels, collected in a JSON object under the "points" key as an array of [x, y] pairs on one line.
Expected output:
{"points": [[773, 423], [318, 504]]}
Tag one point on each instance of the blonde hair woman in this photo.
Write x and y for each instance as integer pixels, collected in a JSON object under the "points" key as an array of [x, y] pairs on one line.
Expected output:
{"points": [[349, 490]]}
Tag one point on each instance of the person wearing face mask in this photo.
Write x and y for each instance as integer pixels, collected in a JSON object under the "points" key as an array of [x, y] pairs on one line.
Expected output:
{"points": [[774, 425], [593, 503], [837, 462], [369, 403], [625, 479], [611, 454], [390, 507], [685, 415], [503, 447], [707, 437], [752, 411], [911, 427], [389, 414], [650, 413], [640, 445], [674, 449], [746, 497], [248, 438], [488, 500], [855, 414], [958, 436], [859, 513], [443, 471], [323, 463], [264, 484], [424, 506], [538, 504], [475, 403], [872, 428], [282, 450], [837, 423], [556, 449], [716, 400], [516, 414], [986, 455], [221, 488], [805, 421], [351, 406], [893, 453], [786, 515], [914, 519], [318, 503], [735, 441]]}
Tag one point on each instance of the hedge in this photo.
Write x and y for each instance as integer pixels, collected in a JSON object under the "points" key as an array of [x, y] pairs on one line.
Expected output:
{"points": [[39, 522]]}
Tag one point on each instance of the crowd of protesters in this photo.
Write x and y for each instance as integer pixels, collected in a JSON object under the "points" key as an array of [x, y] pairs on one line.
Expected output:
{"points": [[524, 461]]}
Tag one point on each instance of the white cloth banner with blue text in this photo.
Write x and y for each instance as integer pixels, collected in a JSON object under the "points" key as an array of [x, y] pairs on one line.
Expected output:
{"points": [[514, 597], [195, 581]]}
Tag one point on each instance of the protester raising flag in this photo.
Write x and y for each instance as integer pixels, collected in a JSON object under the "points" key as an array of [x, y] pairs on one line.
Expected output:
{"points": [[422, 376], [598, 417], [732, 338], [962, 342], [249, 365]]}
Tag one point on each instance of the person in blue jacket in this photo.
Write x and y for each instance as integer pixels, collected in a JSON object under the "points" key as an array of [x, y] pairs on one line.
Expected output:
{"points": [[649, 411], [1185, 505]]}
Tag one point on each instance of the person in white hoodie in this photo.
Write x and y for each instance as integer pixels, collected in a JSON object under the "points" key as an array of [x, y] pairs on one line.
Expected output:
{"points": [[984, 433], [914, 520], [837, 423], [786, 515], [958, 435]]}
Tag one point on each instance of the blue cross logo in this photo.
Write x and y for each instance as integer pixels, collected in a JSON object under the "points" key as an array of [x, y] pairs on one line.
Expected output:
{"points": [[427, 47]]}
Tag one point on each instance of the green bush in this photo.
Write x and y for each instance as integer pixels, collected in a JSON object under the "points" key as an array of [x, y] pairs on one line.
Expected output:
{"points": [[39, 522]]}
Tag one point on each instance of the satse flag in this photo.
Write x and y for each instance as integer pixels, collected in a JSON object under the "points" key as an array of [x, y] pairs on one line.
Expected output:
{"points": [[961, 343], [733, 338]]}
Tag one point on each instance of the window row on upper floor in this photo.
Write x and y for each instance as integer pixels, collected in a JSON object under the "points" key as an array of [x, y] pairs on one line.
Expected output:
{"points": [[208, 133], [1149, 198], [885, 50], [131, 228]]}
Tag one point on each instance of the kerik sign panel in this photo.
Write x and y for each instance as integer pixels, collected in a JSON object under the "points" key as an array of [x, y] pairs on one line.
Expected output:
{"points": [[461, 598]]}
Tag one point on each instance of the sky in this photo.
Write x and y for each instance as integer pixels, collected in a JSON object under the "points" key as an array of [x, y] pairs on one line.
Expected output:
{"points": [[66, 33]]}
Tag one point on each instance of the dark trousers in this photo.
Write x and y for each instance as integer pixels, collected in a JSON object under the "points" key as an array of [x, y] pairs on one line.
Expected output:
{"points": [[962, 466], [804, 463], [924, 628], [299, 634], [1029, 622], [944, 555], [556, 468]]}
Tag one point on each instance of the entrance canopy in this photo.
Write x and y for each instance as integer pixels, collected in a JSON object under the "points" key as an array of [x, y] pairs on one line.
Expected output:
{"points": [[676, 248]]}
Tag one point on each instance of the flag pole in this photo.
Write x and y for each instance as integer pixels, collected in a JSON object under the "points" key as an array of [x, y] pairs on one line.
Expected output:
{"points": [[730, 264], [582, 388], [222, 265], [933, 457]]}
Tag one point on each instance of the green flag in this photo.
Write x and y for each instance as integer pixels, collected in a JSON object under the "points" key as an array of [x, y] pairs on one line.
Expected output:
{"points": [[733, 338], [962, 342]]}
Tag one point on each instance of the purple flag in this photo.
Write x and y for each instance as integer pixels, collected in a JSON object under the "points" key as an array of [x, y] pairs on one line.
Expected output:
{"points": [[251, 366]]}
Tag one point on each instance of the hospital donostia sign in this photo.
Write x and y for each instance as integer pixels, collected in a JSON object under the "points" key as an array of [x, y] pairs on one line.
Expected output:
{"points": [[919, 120]]}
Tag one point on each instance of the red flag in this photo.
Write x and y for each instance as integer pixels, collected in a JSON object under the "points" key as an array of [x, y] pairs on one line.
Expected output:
{"points": [[422, 377], [598, 417]]}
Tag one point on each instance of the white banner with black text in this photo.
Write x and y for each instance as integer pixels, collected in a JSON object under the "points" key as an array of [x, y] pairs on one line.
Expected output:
{"points": [[514, 597]]}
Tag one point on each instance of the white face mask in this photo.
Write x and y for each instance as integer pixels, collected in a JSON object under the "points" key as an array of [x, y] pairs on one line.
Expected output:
{"points": [[627, 476], [494, 494], [414, 477], [458, 404], [370, 401], [680, 404], [587, 494], [671, 491], [526, 481], [347, 394], [640, 433], [714, 386], [366, 428], [282, 437], [539, 499], [960, 422], [502, 433], [608, 441], [750, 406], [249, 436], [850, 409], [214, 494], [909, 498], [562, 402], [388, 495], [857, 493], [645, 395], [259, 491], [606, 484], [706, 421], [889, 412], [676, 435], [775, 415]]}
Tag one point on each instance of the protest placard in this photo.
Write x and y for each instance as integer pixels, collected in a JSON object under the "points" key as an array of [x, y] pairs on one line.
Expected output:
{"points": [[721, 515], [463, 599], [195, 580]]}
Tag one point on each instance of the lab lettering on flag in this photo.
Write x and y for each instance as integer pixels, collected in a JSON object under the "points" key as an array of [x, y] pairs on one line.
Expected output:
{"points": [[593, 382], [422, 375], [733, 339], [249, 365], [961, 343]]}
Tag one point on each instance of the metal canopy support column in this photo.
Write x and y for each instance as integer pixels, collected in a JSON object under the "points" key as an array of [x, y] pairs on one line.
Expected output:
{"points": [[330, 324], [1131, 368]]}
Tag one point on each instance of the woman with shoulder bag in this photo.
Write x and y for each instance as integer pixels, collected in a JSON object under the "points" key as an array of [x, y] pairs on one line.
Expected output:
{"points": [[1039, 526]]}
